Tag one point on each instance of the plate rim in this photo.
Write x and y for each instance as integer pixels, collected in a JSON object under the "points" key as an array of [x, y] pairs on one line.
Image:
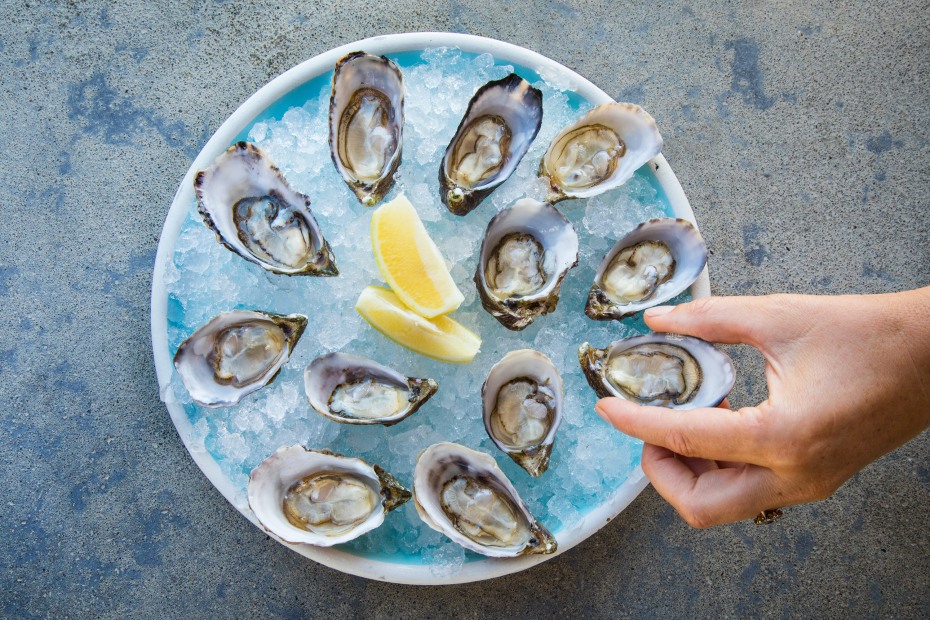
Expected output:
{"points": [[412, 574]]}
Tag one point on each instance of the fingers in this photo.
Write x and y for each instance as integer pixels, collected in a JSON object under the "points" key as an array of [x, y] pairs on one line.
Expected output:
{"points": [[713, 496], [712, 433], [730, 320]]}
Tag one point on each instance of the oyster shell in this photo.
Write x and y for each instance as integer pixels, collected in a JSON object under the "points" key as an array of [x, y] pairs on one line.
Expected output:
{"points": [[321, 498], [356, 390], [666, 370], [599, 151], [236, 353], [464, 494], [653, 263], [527, 251], [366, 122], [522, 402], [247, 202], [502, 120]]}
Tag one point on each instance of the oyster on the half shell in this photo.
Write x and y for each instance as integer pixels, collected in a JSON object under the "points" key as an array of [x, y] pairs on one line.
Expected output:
{"points": [[465, 495], [653, 263], [236, 353], [522, 408], [527, 251], [321, 498], [599, 151], [664, 370], [248, 203], [501, 122], [356, 390], [366, 123]]}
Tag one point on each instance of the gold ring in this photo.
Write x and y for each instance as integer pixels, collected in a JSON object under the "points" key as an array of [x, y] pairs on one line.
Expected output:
{"points": [[768, 516]]}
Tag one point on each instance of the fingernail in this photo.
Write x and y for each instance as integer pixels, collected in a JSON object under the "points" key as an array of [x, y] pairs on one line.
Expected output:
{"points": [[658, 311], [600, 412]]}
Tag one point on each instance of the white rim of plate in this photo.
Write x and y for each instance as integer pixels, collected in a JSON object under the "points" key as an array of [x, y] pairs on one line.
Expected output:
{"points": [[415, 574]]}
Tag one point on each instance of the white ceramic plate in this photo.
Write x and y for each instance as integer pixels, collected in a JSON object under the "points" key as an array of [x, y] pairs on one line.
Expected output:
{"points": [[274, 92]]}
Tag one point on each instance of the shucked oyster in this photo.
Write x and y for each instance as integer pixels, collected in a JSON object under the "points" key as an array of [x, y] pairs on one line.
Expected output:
{"points": [[666, 370], [522, 402], [599, 151], [247, 202], [527, 251], [659, 259], [366, 122], [502, 120], [464, 494], [236, 353], [320, 498], [356, 390]]}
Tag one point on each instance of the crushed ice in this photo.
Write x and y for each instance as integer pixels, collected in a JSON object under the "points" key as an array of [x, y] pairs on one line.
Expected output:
{"points": [[588, 462]]}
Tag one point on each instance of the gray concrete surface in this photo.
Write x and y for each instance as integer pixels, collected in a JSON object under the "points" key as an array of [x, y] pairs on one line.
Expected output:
{"points": [[800, 134]]}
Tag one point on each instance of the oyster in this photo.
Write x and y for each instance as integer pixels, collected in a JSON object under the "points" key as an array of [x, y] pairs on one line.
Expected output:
{"points": [[527, 251], [320, 498], [522, 401], [599, 151], [366, 122], [659, 259], [247, 202], [666, 370], [236, 353], [501, 121], [356, 390], [464, 494]]}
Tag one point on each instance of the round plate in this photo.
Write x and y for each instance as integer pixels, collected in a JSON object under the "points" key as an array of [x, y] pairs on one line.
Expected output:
{"points": [[273, 99]]}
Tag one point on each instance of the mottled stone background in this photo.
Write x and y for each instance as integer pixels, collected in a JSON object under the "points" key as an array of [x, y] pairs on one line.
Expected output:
{"points": [[799, 133]]}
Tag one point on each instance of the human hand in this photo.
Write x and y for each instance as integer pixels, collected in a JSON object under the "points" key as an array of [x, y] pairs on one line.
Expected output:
{"points": [[848, 380]]}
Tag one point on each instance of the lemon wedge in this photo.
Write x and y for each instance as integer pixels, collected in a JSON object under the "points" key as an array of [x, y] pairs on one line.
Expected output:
{"points": [[410, 262], [441, 338]]}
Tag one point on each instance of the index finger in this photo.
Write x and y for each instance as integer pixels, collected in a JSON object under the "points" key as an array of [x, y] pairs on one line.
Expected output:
{"points": [[711, 433]]}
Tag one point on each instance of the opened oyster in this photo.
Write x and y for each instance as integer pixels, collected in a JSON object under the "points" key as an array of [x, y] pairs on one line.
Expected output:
{"points": [[665, 370], [464, 494], [599, 151], [236, 353], [522, 400], [247, 202], [527, 251], [320, 498], [366, 122], [356, 390], [501, 121], [659, 259]]}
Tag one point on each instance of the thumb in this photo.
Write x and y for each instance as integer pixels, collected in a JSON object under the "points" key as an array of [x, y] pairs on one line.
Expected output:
{"points": [[730, 320]]}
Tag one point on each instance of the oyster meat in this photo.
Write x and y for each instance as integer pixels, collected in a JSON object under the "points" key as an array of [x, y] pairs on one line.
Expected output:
{"points": [[236, 353], [527, 251], [320, 498], [356, 390], [366, 122], [599, 151], [522, 403], [655, 262], [665, 370], [465, 495], [501, 122], [248, 203]]}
